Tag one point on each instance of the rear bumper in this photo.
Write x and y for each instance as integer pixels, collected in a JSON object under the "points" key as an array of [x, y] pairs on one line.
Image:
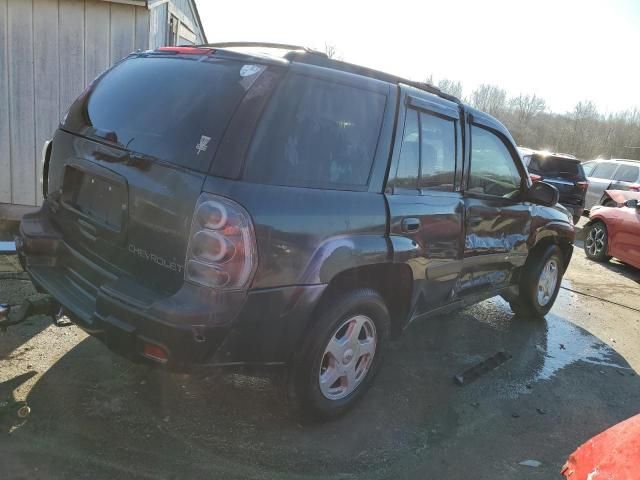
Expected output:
{"points": [[194, 326]]}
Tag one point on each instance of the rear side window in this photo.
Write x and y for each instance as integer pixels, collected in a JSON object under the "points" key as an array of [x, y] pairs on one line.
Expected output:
{"points": [[627, 173], [316, 133], [437, 153], [171, 108], [604, 170]]}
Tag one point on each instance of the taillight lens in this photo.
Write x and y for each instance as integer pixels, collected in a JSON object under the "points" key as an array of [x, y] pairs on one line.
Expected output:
{"points": [[535, 177], [222, 248], [634, 187], [582, 185]]}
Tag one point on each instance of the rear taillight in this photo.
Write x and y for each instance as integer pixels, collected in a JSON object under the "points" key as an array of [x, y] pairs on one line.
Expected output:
{"points": [[534, 177], [634, 187], [582, 185], [222, 248]]}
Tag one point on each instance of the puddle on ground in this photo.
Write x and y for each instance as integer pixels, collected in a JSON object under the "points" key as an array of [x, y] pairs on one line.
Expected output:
{"points": [[558, 344], [567, 344]]}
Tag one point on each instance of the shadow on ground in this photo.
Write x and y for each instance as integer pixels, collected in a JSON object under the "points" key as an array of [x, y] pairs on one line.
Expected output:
{"points": [[98, 416]]}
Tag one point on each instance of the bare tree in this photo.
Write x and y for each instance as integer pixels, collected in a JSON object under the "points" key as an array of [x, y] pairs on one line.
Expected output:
{"points": [[331, 51], [451, 87], [583, 131], [489, 98], [526, 107]]}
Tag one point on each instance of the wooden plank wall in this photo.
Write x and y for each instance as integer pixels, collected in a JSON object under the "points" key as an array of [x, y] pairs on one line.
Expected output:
{"points": [[49, 51]]}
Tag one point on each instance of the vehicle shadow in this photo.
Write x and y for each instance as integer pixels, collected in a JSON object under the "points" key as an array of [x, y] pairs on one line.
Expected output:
{"points": [[100, 406], [624, 269], [9, 406]]}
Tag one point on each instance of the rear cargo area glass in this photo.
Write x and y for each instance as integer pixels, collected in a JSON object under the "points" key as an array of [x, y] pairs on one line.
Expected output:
{"points": [[556, 165], [171, 108]]}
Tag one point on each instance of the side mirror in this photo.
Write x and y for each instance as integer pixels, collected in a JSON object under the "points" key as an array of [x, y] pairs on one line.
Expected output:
{"points": [[632, 203], [543, 194]]}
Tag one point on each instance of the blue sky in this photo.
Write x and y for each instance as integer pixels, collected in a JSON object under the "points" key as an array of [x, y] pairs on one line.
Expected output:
{"points": [[563, 50]]}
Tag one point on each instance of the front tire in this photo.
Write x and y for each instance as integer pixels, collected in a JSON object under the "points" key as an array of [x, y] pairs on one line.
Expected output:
{"points": [[341, 354], [539, 283], [596, 242]]}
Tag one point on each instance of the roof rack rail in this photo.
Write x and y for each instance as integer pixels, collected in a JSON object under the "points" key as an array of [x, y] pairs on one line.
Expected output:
{"points": [[281, 46], [297, 53], [427, 87]]}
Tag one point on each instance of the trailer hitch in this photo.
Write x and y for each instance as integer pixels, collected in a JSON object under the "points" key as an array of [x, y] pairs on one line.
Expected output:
{"points": [[35, 305]]}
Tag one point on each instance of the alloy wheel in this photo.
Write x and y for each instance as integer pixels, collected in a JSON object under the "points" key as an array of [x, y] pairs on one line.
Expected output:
{"points": [[547, 282], [347, 357], [595, 240]]}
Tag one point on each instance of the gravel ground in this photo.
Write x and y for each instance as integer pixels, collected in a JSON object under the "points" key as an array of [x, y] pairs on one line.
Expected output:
{"points": [[95, 415]]}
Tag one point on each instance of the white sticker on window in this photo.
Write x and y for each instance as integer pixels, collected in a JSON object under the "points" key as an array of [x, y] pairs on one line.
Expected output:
{"points": [[202, 144], [248, 70]]}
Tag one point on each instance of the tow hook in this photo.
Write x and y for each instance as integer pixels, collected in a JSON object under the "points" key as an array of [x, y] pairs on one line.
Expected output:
{"points": [[36, 305]]}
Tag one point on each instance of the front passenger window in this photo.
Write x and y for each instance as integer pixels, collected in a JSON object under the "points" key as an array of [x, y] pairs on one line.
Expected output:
{"points": [[493, 171]]}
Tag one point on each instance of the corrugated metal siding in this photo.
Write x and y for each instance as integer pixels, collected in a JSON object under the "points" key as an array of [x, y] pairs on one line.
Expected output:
{"points": [[184, 7], [160, 14], [159, 23], [49, 51]]}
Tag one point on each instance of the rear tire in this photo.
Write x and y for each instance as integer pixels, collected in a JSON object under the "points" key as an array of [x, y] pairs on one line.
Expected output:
{"points": [[539, 283], [596, 242], [340, 356]]}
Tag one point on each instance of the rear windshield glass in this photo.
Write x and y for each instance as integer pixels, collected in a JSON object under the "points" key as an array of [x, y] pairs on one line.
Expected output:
{"points": [[316, 133], [171, 108], [555, 165]]}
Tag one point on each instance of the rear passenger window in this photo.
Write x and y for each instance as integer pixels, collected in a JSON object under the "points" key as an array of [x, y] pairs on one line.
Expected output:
{"points": [[437, 153], [409, 163], [627, 173], [316, 133], [604, 170]]}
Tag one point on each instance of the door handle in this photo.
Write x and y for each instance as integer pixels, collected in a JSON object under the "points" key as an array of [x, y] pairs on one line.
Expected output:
{"points": [[410, 225]]}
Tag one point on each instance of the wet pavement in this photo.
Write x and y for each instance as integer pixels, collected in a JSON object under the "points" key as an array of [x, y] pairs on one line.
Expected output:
{"points": [[571, 375]]}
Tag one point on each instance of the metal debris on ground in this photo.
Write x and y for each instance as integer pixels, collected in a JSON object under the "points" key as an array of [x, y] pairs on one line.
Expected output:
{"points": [[481, 368], [11, 407], [39, 304]]}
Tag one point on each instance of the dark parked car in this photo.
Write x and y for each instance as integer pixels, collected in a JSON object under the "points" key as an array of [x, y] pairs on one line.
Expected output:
{"points": [[563, 172], [208, 206]]}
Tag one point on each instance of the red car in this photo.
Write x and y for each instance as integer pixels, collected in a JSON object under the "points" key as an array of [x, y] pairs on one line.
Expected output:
{"points": [[614, 232]]}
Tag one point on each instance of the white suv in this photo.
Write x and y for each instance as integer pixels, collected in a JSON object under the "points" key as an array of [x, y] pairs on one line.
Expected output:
{"points": [[614, 174]]}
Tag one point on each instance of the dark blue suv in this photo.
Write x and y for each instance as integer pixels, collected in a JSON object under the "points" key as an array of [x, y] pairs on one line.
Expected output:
{"points": [[212, 206]]}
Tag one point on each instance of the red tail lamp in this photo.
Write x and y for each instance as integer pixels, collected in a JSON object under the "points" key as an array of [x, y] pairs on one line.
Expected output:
{"points": [[155, 352]]}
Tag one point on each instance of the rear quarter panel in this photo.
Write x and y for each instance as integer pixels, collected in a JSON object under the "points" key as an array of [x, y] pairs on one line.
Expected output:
{"points": [[306, 236]]}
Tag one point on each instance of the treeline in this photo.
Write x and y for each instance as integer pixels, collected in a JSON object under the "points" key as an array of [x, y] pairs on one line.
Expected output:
{"points": [[583, 132]]}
